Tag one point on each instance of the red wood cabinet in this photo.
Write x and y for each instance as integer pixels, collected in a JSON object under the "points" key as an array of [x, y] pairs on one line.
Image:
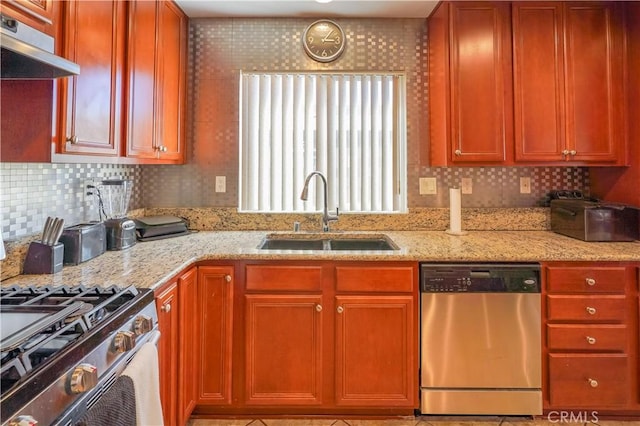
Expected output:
{"points": [[90, 104], [215, 312], [188, 355], [167, 307], [470, 90], [39, 14], [375, 356], [590, 338], [156, 82], [569, 82]]}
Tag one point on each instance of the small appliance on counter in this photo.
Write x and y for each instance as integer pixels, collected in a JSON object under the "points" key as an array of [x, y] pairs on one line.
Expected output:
{"points": [[151, 228], [589, 219], [83, 242], [113, 202]]}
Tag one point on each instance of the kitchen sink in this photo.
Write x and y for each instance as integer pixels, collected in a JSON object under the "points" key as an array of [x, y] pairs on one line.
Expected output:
{"points": [[339, 242]]}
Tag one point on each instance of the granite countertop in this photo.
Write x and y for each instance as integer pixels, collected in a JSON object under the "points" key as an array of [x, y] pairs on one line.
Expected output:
{"points": [[151, 264]]}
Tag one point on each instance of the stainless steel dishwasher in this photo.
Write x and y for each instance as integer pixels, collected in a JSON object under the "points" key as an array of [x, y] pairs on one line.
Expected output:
{"points": [[480, 339]]}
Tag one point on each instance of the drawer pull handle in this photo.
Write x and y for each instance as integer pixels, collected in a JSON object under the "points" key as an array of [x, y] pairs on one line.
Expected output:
{"points": [[593, 383], [591, 281], [319, 308], [340, 309], [591, 311], [166, 308], [227, 278], [591, 340]]}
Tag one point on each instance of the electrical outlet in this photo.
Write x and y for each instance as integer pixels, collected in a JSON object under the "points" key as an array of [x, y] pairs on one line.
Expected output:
{"points": [[525, 185], [87, 192], [221, 184], [428, 186], [467, 186]]}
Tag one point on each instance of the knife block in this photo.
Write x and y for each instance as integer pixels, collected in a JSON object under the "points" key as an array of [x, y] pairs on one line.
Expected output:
{"points": [[44, 259]]}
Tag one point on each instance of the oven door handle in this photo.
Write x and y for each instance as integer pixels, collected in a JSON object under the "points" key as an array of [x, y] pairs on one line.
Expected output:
{"points": [[155, 336]]}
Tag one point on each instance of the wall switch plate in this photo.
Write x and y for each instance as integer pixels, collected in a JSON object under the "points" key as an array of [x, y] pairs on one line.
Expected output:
{"points": [[221, 184], [467, 186], [428, 186], [525, 185]]}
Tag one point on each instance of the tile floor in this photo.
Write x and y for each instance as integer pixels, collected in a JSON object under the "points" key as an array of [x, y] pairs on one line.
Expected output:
{"points": [[413, 421]]}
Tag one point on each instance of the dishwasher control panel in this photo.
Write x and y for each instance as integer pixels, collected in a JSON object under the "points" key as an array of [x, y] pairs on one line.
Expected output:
{"points": [[479, 278]]}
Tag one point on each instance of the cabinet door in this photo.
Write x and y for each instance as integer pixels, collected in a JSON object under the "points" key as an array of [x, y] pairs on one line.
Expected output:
{"points": [[283, 349], [141, 64], [91, 103], [538, 67], [215, 295], [172, 63], [375, 351], [595, 81], [167, 307], [39, 14], [188, 344], [481, 93]]}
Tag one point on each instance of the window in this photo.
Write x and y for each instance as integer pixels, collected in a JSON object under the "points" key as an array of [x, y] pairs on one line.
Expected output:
{"points": [[350, 127]]}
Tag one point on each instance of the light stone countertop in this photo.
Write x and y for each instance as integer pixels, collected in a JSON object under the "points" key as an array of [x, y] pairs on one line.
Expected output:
{"points": [[151, 264]]}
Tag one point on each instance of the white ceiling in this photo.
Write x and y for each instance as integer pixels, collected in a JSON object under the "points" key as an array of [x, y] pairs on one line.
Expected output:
{"points": [[308, 8]]}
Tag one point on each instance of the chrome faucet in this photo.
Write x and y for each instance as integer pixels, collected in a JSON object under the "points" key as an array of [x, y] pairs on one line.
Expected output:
{"points": [[326, 217]]}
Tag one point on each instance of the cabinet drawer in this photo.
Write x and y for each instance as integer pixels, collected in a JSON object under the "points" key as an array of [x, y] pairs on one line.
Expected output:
{"points": [[265, 277], [587, 337], [588, 380], [586, 308], [586, 280], [375, 278]]}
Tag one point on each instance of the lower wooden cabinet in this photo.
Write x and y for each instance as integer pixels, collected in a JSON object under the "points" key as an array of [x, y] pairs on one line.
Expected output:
{"points": [[188, 371], [591, 337], [167, 307]]}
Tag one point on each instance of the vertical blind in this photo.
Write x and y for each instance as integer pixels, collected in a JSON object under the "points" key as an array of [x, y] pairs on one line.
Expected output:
{"points": [[350, 127]]}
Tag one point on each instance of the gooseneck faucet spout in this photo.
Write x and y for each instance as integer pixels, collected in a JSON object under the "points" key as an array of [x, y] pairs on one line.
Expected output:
{"points": [[326, 217]]}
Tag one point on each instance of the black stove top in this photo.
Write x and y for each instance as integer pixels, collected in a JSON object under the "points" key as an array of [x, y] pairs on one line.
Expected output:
{"points": [[45, 330]]}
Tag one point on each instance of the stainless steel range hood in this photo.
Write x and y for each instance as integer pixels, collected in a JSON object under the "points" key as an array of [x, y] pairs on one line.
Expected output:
{"points": [[28, 54]]}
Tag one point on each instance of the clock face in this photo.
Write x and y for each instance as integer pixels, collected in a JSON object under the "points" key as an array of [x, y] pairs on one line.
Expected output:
{"points": [[323, 40]]}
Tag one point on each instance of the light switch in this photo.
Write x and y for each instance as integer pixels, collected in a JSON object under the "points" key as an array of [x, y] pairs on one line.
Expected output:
{"points": [[221, 184], [428, 186]]}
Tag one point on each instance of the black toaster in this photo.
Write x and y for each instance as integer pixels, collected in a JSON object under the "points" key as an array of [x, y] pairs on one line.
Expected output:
{"points": [[83, 242], [591, 220]]}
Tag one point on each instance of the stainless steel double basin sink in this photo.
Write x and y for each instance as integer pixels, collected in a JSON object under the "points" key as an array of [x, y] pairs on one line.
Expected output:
{"points": [[333, 242]]}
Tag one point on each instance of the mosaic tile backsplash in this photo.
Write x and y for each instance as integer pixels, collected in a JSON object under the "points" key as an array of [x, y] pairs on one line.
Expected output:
{"points": [[219, 49]]}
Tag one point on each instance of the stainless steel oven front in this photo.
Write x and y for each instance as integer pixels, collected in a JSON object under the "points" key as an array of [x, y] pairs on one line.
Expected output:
{"points": [[481, 339]]}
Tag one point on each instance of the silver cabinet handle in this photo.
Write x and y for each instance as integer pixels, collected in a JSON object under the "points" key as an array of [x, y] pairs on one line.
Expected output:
{"points": [[593, 383], [227, 278], [573, 152], [590, 310], [319, 308], [565, 152], [591, 340], [166, 308], [590, 281], [457, 152], [73, 139], [340, 309]]}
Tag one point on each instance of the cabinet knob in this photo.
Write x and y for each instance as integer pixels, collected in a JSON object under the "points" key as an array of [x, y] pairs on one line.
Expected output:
{"points": [[590, 281], [73, 139], [340, 309], [591, 340], [593, 383], [83, 378], [319, 308], [457, 152], [590, 310], [227, 278], [565, 152], [166, 307], [573, 152]]}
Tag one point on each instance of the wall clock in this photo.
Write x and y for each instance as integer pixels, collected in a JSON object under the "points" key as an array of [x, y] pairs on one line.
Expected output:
{"points": [[324, 40]]}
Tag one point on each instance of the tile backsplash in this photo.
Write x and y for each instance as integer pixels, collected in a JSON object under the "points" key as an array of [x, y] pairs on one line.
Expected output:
{"points": [[218, 50]]}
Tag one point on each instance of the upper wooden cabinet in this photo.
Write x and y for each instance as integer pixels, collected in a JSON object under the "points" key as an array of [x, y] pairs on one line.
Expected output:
{"points": [[527, 83], [90, 104], [470, 97], [569, 82], [157, 82], [39, 14]]}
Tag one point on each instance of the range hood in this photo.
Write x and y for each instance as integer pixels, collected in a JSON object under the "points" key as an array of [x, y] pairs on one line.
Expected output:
{"points": [[28, 54]]}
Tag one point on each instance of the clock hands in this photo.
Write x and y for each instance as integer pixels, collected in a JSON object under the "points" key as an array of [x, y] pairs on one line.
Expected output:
{"points": [[326, 38]]}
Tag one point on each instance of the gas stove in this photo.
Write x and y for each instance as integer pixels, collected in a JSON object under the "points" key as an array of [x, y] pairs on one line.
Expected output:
{"points": [[62, 347]]}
